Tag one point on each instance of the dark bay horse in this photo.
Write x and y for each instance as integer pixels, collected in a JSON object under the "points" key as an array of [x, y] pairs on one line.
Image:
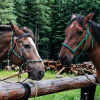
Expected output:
{"points": [[82, 34], [18, 45]]}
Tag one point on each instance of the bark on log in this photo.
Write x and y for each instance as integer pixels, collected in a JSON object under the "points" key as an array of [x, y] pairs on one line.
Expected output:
{"points": [[15, 91]]}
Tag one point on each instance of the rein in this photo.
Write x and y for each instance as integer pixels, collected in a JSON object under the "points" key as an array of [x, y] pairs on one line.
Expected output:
{"points": [[13, 76]]}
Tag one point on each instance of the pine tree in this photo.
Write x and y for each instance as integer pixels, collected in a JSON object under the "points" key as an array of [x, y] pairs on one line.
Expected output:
{"points": [[19, 6], [57, 29], [7, 12], [38, 19], [49, 18]]}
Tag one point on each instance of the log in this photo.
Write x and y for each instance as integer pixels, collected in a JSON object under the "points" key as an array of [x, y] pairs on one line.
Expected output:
{"points": [[60, 71], [56, 66], [14, 91]]}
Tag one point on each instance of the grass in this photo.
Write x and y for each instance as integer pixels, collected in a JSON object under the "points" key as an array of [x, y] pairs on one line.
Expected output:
{"points": [[66, 95], [4, 74]]}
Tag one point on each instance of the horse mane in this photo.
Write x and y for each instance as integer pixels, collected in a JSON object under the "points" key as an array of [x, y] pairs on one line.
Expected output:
{"points": [[26, 30], [94, 26], [7, 28], [95, 30], [79, 18]]}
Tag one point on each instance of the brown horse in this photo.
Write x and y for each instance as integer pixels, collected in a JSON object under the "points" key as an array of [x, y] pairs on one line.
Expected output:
{"points": [[18, 45], [82, 34]]}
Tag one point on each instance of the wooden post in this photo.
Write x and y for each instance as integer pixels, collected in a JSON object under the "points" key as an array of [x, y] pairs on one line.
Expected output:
{"points": [[88, 93], [15, 91]]}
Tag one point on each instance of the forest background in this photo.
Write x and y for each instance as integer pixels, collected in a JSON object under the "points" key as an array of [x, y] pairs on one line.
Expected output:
{"points": [[47, 19]]}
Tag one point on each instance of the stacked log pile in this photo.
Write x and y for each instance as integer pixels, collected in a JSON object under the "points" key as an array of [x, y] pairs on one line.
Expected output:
{"points": [[87, 68], [56, 66], [53, 65]]}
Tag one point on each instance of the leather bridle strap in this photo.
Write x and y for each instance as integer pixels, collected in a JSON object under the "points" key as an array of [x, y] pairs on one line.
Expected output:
{"points": [[84, 39], [23, 35], [21, 55]]}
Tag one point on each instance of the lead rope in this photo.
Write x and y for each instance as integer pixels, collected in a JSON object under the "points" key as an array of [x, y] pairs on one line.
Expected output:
{"points": [[13, 76], [86, 74], [36, 89], [76, 60]]}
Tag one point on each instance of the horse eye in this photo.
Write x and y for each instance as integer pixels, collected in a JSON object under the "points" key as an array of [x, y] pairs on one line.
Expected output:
{"points": [[26, 46], [80, 32]]}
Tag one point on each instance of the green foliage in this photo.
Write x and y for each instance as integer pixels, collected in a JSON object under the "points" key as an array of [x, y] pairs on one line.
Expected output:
{"points": [[19, 12], [38, 19], [48, 19], [62, 11], [7, 12]]}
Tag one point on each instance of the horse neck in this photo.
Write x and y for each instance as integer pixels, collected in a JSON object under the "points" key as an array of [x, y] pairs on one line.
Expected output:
{"points": [[94, 55], [5, 38]]}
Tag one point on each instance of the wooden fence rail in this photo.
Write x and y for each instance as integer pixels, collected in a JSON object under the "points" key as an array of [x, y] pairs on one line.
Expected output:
{"points": [[15, 91]]}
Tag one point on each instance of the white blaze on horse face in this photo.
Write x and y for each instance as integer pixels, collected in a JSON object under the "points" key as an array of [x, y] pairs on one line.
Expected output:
{"points": [[15, 38], [33, 44], [72, 25]]}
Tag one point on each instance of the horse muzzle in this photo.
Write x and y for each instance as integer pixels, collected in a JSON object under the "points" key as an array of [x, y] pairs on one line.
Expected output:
{"points": [[66, 60], [35, 74]]}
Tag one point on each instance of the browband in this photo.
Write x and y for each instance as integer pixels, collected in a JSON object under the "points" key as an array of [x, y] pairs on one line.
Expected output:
{"points": [[23, 35]]}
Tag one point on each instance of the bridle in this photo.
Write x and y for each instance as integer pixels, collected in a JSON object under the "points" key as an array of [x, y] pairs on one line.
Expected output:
{"points": [[84, 39], [20, 56], [77, 56]]}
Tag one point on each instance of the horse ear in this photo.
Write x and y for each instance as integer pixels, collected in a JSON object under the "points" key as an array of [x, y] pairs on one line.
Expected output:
{"points": [[88, 17], [73, 16], [15, 29]]}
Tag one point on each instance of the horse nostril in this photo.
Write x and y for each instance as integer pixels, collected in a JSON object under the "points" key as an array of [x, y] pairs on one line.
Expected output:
{"points": [[64, 57], [41, 73]]}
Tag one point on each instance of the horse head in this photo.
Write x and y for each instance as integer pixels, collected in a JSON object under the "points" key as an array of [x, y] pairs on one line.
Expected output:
{"points": [[23, 52], [77, 39]]}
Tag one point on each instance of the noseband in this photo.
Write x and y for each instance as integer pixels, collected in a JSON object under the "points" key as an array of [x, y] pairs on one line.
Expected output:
{"points": [[21, 56], [85, 39]]}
